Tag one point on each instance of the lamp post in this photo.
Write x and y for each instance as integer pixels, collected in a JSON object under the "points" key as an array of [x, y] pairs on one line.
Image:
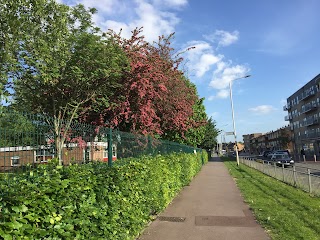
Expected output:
{"points": [[223, 139], [234, 124], [222, 136]]}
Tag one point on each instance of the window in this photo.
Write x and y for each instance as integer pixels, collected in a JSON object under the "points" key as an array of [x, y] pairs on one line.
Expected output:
{"points": [[105, 153], [114, 152], [44, 154], [15, 161]]}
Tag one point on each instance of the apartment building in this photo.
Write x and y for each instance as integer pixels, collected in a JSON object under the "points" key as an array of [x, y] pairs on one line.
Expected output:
{"points": [[303, 115], [273, 140], [247, 141]]}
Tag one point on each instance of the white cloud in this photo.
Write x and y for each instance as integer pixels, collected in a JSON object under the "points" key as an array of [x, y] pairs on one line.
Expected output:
{"points": [[171, 3], [154, 22], [128, 15], [226, 73], [103, 6], [201, 58], [143, 14], [262, 109], [204, 63], [223, 93], [210, 98], [223, 38], [109, 6]]}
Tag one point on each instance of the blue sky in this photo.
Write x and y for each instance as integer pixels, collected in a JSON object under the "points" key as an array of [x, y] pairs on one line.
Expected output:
{"points": [[276, 42]]}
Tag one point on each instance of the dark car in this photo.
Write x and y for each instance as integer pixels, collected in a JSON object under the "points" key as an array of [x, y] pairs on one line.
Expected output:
{"points": [[282, 151], [265, 153], [282, 159]]}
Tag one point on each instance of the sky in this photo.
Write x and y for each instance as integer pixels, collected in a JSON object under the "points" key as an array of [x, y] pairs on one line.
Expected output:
{"points": [[276, 42]]}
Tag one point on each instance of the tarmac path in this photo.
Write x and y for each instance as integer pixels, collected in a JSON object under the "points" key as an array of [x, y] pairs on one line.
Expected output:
{"points": [[211, 207]]}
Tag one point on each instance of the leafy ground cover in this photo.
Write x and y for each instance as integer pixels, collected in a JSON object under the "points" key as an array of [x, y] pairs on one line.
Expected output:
{"points": [[92, 201], [286, 212]]}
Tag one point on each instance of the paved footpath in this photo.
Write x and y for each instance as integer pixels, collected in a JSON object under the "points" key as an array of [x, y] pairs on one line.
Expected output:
{"points": [[211, 207]]}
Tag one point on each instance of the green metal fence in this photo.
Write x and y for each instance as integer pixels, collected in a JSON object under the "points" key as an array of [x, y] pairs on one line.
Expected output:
{"points": [[27, 140]]}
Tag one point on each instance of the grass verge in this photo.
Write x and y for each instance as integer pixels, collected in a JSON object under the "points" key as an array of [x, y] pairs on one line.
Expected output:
{"points": [[284, 211]]}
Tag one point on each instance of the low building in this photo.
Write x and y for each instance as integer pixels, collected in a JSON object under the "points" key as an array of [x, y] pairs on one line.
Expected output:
{"points": [[11, 157], [247, 140], [273, 140]]}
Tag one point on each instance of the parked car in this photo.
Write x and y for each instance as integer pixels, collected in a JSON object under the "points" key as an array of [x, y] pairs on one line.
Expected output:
{"points": [[269, 155], [282, 151], [282, 159], [265, 153]]}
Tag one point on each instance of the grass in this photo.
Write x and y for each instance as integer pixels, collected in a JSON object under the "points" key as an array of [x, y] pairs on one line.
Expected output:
{"points": [[284, 211]]}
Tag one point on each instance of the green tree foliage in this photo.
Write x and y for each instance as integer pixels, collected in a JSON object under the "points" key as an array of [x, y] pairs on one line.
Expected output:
{"points": [[16, 129], [210, 137], [19, 129], [59, 64], [195, 136]]}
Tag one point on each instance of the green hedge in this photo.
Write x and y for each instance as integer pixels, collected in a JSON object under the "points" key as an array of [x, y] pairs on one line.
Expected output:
{"points": [[93, 201]]}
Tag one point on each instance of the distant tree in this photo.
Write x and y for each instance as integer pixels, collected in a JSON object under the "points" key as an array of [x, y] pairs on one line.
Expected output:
{"points": [[211, 134], [284, 138], [59, 63], [18, 129]]}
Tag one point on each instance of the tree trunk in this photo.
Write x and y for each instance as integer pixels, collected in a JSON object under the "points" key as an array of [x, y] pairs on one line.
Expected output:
{"points": [[59, 139]]}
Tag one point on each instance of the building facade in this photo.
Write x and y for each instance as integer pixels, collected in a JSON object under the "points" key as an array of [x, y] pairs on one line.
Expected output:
{"points": [[247, 141], [303, 115], [279, 139]]}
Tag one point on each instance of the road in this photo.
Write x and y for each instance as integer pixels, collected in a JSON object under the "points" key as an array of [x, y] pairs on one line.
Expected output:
{"points": [[301, 167]]}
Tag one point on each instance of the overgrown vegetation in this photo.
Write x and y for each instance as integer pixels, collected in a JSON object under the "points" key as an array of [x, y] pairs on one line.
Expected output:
{"points": [[92, 201], [286, 212]]}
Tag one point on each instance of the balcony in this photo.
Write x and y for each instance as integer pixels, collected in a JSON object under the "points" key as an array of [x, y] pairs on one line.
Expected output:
{"points": [[306, 95], [286, 107], [310, 122], [310, 108], [288, 118], [312, 135]]}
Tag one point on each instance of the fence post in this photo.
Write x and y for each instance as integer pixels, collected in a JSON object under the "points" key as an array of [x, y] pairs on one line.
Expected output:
{"points": [[149, 151], [294, 176], [110, 147], [283, 172], [275, 170], [309, 180]]}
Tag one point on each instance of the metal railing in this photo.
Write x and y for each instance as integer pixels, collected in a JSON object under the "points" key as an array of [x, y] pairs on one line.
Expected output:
{"points": [[27, 140], [305, 178]]}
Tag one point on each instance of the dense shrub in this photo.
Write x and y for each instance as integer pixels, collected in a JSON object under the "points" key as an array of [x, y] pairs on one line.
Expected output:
{"points": [[92, 201]]}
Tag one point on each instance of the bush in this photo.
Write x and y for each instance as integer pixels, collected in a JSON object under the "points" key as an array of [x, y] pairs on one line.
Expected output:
{"points": [[92, 201]]}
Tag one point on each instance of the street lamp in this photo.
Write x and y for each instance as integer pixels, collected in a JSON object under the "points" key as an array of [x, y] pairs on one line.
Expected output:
{"points": [[234, 124], [222, 134], [223, 139]]}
